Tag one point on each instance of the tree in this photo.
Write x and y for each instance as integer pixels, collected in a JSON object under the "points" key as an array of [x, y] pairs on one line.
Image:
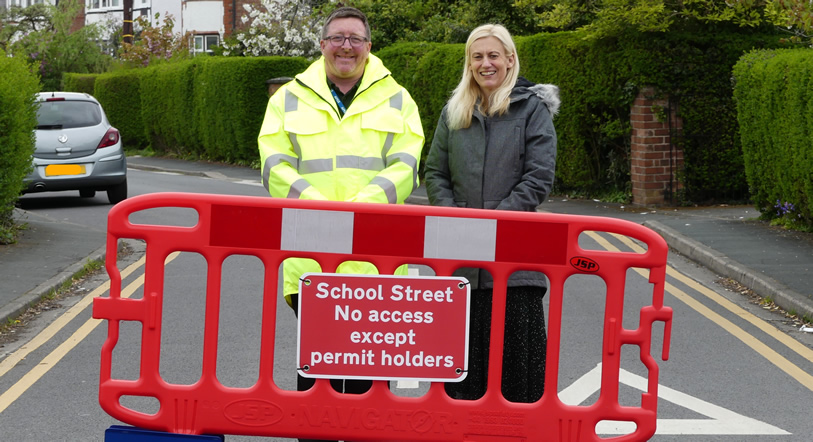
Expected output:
{"points": [[603, 18], [152, 43], [440, 21], [407, 20], [16, 22], [45, 37], [792, 16], [277, 27]]}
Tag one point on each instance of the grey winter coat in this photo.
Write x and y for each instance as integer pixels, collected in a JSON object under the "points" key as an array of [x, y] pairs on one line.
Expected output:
{"points": [[504, 162]]}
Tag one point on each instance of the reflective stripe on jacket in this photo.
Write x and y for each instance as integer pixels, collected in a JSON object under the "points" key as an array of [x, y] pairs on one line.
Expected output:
{"points": [[370, 154]]}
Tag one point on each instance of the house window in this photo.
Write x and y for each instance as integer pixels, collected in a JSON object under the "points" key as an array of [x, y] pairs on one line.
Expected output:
{"points": [[205, 43], [104, 4]]}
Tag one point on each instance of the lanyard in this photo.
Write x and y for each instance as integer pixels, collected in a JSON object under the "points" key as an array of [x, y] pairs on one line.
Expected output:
{"points": [[339, 103]]}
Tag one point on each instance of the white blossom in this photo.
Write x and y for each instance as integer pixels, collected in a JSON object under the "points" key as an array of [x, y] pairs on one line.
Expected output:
{"points": [[278, 27]]}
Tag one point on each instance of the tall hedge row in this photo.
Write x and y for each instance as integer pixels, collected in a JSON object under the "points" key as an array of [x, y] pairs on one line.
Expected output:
{"points": [[18, 111], [208, 106], [774, 95], [79, 82], [213, 106], [597, 86], [230, 101], [167, 107], [598, 81], [120, 95]]}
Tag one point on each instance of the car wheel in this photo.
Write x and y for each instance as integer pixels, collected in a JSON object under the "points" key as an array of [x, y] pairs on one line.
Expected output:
{"points": [[117, 193], [87, 193]]}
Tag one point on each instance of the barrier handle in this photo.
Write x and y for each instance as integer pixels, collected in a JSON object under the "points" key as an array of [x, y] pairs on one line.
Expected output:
{"points": [[666, 317], [120, 412]]}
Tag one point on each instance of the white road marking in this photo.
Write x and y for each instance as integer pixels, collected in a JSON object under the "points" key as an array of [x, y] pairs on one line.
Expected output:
{"points": [[721, 421]]}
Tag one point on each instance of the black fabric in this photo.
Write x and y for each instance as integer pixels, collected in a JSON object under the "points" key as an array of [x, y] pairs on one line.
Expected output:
{"points": [[346, 98], [523, 376]]}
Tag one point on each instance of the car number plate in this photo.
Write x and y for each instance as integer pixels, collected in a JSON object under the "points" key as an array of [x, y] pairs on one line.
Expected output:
{"points": [[64, 169]]}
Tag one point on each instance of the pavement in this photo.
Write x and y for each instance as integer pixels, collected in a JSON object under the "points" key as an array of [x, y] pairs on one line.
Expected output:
{"points": [[728, 240]]}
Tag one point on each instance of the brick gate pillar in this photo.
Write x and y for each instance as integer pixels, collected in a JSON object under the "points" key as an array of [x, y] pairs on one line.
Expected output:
{"points": [[654, 159]]}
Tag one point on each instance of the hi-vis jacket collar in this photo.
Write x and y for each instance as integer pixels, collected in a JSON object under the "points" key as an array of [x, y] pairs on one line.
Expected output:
{"points": [[315, 79]]}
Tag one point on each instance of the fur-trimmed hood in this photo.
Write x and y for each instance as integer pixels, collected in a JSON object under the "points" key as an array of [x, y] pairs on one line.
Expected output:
{"points": [[548, 93]]}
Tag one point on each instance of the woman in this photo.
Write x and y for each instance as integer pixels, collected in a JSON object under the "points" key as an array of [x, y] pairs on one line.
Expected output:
{"points": [[495, 148]]}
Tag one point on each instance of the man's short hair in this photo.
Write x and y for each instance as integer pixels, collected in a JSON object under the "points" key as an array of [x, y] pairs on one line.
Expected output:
{"points": [[345, 12]]}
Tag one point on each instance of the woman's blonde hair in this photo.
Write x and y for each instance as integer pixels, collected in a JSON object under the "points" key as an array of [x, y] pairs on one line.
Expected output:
{"points": [[465, 95]]}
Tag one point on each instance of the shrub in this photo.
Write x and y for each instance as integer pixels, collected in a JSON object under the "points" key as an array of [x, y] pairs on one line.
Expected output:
{"points": [[85, 83], [774, 108], [18, 86], [230, 101], [120, 95]]}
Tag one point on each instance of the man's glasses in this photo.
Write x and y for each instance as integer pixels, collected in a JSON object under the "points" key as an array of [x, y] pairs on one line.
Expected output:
{"points": [[338, 40]]}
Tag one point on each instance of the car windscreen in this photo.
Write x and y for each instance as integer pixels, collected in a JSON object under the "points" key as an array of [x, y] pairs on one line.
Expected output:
{"points": [[68, 114]]}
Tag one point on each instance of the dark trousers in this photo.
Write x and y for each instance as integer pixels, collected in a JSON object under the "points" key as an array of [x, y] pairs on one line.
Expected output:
{"points": [[523, 373]]}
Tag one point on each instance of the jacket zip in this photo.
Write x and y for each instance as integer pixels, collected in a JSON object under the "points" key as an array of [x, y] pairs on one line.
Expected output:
{"points": [[323, 99]]}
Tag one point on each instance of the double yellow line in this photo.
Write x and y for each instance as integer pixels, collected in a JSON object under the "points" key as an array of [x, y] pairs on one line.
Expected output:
{"points": [[760, 347], [15, 391]]}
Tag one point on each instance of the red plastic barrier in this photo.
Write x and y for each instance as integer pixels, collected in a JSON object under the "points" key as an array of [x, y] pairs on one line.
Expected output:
{"points": [[388, 236]]}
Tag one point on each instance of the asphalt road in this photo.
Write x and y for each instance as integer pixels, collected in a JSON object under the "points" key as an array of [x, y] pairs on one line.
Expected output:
{"points": [[736, 370]]}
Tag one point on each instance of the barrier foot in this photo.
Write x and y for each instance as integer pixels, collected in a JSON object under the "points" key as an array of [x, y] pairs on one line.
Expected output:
{"points": [[121, 433]]}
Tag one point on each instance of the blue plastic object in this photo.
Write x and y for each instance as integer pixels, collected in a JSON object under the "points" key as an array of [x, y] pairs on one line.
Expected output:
{"points": [[121, 433]]}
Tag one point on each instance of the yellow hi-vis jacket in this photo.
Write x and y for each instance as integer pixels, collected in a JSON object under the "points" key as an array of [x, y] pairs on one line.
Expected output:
{"points": [[370, 154]]}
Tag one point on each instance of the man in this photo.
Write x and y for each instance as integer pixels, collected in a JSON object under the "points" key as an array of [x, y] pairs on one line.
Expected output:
{"points": [[343, 130]]}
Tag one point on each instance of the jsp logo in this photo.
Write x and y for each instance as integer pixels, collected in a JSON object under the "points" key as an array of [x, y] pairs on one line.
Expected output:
{"points": [[584, 264]]}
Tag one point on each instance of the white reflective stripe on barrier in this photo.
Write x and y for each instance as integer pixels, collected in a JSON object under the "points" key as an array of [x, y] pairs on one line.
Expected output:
{"points": [[317, 231], [460, 238]]}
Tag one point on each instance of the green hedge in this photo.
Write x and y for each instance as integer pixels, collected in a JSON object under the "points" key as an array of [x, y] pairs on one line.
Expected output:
{"points": [[592, 128], [18, 118], [120, 95], [79, 82], [598, 81], [230, 101], [774, 95], [213, 106], [168, 113]]}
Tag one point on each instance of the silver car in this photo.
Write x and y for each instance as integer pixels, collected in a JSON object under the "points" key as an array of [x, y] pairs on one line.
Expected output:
{"points": [[76, 148]]}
